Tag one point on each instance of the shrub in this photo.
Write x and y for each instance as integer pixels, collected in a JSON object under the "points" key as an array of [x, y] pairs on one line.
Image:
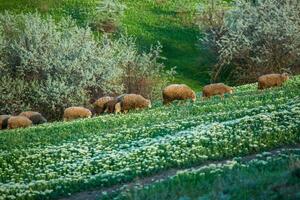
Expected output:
{"points": [[107, 16], [143, 73], [210, 17], [260, 37], [48, 66]]}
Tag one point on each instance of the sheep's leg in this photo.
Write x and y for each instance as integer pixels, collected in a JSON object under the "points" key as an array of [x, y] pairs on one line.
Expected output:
{"points": [[222, 96]]}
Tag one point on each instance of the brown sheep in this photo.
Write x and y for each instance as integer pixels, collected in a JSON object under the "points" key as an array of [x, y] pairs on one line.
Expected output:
{"points": [[100, 103], [178, 92], [4, 121], [110, 106], [216, 89], [76, 113], [18, 122], [272, 80], [35, 117], [130, 102]]}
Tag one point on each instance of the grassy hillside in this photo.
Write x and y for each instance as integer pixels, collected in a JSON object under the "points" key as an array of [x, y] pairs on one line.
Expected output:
{"points": [[172, 24], [270, 175], [60, 158]]}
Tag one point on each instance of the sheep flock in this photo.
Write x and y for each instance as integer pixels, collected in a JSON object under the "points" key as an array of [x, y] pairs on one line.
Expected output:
{"points": [[126, 102]]}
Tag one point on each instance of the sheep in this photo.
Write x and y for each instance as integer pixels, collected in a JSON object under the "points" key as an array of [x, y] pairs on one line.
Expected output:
{"points": [[19, 122], [272, 80], [4, 121], [110, 106], [130, 102], [76, 112], [99, 104], [177, 92], [35, 117], [216, 89]]}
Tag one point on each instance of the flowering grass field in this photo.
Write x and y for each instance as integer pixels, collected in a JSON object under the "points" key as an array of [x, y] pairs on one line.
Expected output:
{"points": [[269, 175], [59, 159]]}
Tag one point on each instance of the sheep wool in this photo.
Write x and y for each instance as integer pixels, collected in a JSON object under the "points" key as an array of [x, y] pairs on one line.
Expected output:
{"points": [[131, 102], [4, 121], [272, 80], [100, 104], [110, 106], [178, 92], [216, 89], [18, 122], [72, 113], [35, 117]]}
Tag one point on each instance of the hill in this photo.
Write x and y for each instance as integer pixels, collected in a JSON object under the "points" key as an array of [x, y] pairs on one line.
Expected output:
{"points": [[56, 159]]}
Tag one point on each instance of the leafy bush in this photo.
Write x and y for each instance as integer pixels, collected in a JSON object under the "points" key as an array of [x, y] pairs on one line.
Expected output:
{"points": [[258, 38], [142, 73], [210, 18], [102, 16], [48, 66], [107, 16]]}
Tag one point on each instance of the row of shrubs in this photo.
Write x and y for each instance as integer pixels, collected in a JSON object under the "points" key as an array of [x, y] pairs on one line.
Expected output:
{"points": [[48, 65]]}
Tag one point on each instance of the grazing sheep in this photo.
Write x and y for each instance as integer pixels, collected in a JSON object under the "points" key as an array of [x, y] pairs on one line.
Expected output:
{"points": [[76, 113], [177, 92], [130, 102], [18, 122], [4, 121], [35, 117], [216, 89], [272, 80], [100, 103]]}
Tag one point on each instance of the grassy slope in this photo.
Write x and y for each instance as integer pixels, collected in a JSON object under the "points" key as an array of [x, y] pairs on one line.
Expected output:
{"points": [[108, 150], [28, 5], [265, 176], [151, 22]]}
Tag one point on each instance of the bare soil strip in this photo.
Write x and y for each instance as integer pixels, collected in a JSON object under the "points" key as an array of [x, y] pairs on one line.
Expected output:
{"points": [[96, 194]]}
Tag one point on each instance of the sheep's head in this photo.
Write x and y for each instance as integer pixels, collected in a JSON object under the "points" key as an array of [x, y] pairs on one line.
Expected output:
{"points": [[97, 109], [149, 103], [193, 96], [38, 119], [285, 76]]}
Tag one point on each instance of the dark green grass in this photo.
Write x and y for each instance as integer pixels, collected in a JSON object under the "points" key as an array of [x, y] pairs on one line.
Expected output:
{"points": [[152, 22], [28, 5]]}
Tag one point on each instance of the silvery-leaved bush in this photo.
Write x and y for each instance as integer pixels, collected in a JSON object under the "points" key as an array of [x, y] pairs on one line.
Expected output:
{"points": [[48, 66], [257, 38]]}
